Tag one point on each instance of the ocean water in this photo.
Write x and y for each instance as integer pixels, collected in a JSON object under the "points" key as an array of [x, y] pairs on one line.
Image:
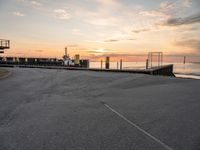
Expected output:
{"points": [[188, 70]]}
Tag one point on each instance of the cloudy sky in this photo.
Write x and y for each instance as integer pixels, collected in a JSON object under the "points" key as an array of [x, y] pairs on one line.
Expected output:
{"points": [[96, 28]]}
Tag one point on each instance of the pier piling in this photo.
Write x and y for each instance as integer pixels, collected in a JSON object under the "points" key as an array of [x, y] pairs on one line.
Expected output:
{"points": [[107, 62], [184, 60], [147, 63], [121, 64]]}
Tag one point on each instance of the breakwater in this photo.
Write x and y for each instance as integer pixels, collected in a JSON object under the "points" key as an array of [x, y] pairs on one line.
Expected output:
{"points": [[165, 70]]}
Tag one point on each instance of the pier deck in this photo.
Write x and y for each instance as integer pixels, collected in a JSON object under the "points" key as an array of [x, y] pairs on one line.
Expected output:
{"points": [[166, 70]]}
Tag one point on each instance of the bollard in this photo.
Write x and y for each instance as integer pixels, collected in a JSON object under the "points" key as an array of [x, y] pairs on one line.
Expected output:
{"points": [[121, 64], [147, 63], [107, 62], [101, 64], [184, 59]]}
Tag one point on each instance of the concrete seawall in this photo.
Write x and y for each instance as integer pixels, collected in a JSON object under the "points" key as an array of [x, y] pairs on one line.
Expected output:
{"points": [[166, 70]]}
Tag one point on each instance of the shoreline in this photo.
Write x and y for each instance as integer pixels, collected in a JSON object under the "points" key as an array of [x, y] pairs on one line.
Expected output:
{"points": [[187, 76]]}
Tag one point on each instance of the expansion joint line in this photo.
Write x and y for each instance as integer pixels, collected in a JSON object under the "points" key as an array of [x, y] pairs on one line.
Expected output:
{"points": [[137, 127]]}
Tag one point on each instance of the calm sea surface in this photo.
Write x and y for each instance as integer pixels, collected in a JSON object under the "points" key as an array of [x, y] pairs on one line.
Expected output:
{"points": [[188, 70]]}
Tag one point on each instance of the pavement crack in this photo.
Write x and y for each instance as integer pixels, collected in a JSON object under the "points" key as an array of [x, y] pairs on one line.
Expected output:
{"points": [[167, 147]]}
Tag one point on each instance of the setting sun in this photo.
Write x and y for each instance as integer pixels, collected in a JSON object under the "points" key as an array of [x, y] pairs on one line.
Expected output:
{"points": [[101, 50]]}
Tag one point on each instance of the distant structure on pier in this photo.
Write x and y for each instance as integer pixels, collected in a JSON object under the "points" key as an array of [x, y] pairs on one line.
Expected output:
{"points": [[155, 59], [31, 61], [67, 60], [76, 62], [4, 44]]}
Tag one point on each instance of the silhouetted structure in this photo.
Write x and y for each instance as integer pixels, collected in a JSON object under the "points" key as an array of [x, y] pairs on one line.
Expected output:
{"points": [[184, 60], [121, 64], [107, 62], [83, 63], [67, 60], [147, 63], [4, 44], [31, 61], [77, 60], [155, 59]]}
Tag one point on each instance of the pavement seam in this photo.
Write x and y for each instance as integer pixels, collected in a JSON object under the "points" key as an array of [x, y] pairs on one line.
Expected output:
{"points": [[137, 127]]}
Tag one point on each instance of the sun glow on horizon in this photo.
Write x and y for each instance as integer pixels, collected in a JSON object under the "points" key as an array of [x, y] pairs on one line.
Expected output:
{"points": [[101, 50]]}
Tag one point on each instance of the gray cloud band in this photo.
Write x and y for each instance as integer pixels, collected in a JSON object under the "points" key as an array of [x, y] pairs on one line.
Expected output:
{"points": [[183, 21], [190, 43]]}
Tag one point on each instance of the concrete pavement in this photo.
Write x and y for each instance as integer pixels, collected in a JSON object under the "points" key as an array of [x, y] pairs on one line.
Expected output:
{"points": [[64, 109]]}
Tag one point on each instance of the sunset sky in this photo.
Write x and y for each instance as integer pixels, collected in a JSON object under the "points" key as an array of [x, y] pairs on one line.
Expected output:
{"points": [[98, 28]]}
